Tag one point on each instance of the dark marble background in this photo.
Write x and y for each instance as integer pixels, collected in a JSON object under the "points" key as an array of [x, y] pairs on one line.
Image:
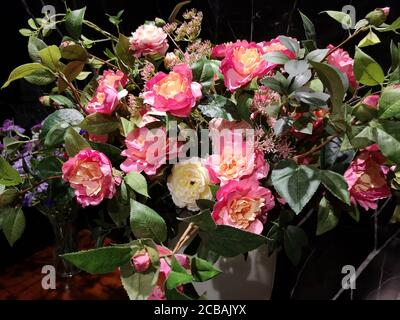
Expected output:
{"points": [[319, 274]]}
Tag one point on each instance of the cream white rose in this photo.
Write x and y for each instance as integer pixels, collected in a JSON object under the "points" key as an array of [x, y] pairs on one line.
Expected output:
{"points": [[188, 182]]}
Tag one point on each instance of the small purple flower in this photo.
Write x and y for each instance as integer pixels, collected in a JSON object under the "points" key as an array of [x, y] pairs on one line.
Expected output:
{"points": [[19, 164], [37, 127], [82, 132], [8, 126], [42, 187], [28, 199]]}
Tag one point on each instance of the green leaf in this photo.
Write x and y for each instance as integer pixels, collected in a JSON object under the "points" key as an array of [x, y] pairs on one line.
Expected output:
{"points": [[298, 82], [22, 72], [340, 17], [13, 224], [74, 142], [119, 206], [203, 270], [203, 72], [389, 103], [8, 197], [332, 80], [101, 260], [64, 101], [8, 175], [230, 242], [327, 220], [295, 239], [369, 40], [71, 71], [41, 77], [244, 101], [317, 55], [127, 126], [34, 46], [50, 57], [218, 107], [296, 67], [295, 183], [290, 43], [277, 84], [99, 123], [137, 182], [74, 21], [123, 52], [48, 167], [138, 285], [146, 223], [26, 32], [387, 136], [354, 213], [74, 52], [308, 27], [367, 70], [178, 275], [69, 116], [318, 99], [276, 57], [203, 220], [392, 27], [336, 185], [395, 55]]}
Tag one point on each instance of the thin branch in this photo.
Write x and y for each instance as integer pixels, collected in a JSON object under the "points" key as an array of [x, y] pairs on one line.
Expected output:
{"points": [[345, 41], [73, 89], [22, 192], [314, 149], [368, 260], [104, 61]]}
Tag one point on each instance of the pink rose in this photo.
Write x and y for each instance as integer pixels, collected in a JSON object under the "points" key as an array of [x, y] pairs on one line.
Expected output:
{"points": [[244, 205], [147, 150], [235, 158], [386, 11], [220, 124], [342, 60], [371, 101], [219, 51], [242, 63], [148, 39], [366, 178], [275, 45], [107, 97], [90, 174], [105, 101], [113, 79], [158, 292], [141, 262], [174, 92]]}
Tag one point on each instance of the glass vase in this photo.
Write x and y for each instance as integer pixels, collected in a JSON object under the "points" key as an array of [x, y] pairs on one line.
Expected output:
{"points": [[65, 241]]}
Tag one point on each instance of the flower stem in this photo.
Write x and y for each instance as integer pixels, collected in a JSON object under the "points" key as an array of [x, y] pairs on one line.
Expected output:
{"points": [[22, 192], [187, 234], [349, 38]]}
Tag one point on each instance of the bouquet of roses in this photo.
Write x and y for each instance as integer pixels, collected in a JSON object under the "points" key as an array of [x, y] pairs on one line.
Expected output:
{"points": [[239, 142]]}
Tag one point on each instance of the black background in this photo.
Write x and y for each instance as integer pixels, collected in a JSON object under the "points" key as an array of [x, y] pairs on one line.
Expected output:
{"points": [[224, 20]]}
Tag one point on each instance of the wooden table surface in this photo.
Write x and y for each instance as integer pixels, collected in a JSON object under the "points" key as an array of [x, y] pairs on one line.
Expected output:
{"points": [[23, 281]]}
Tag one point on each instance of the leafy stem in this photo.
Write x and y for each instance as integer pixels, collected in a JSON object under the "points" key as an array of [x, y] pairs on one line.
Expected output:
{"points": [[349, 38], [22, 192]]}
